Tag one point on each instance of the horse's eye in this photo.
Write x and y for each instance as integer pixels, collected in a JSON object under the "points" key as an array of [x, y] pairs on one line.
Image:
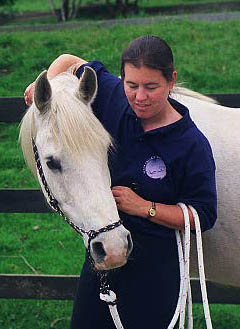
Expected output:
{"points": [[53, 164]]}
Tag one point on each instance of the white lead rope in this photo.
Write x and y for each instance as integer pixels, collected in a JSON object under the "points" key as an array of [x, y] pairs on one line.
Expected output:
{"points": [[201, 269], [185, 287], [111, 301], [186, 265], [185, 297]]}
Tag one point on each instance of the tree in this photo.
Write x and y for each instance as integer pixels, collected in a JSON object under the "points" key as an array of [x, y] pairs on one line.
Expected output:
{"points": [[122, 6], [67, 10], [7, 2]]}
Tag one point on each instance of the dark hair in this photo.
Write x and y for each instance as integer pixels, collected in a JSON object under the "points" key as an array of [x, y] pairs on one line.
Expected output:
{"points": [[150, 51]]}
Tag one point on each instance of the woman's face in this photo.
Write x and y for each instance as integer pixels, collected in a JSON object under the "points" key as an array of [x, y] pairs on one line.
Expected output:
{"points": [[147, 91]]}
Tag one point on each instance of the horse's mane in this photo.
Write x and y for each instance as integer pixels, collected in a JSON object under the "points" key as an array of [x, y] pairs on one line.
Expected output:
{"points": [[180, 90], [72, 124]]}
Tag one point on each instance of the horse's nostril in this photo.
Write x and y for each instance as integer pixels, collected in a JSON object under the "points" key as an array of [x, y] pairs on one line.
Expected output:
{"points": [[130, 245], [99, 251]]}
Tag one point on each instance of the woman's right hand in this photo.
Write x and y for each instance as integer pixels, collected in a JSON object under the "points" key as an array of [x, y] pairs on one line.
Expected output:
{"points": [[28, 94]]}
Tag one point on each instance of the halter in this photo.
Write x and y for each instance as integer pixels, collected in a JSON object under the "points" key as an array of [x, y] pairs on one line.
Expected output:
{"points": [[52, 201], [54, 204]]}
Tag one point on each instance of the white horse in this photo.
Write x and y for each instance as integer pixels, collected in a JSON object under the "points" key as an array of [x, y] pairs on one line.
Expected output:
{"points": [[72, 148], [221, 244]]}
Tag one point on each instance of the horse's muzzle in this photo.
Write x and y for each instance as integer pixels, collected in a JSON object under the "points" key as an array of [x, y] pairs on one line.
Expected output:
{"points": [[107, 257]]}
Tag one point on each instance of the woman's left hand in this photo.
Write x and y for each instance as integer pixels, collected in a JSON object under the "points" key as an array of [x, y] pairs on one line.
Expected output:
{"points": [[28, 94], [129, 202]]}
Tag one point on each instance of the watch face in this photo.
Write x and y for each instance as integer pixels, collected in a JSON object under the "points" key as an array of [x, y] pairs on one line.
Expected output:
{"points": [[152, 212]]}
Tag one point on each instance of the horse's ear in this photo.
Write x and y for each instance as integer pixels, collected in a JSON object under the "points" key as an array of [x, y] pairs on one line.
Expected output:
{"points": [[42, 92], [88, 85]]}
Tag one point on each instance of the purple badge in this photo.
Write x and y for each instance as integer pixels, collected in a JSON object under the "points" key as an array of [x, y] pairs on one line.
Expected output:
{"points": [[155, 168]]}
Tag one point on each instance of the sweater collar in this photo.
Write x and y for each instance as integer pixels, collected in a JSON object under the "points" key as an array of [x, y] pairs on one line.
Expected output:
{"points": [[174, 129]]}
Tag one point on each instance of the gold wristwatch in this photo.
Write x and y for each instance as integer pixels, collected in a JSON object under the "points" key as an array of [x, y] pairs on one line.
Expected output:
{"points": [[152, 211]]}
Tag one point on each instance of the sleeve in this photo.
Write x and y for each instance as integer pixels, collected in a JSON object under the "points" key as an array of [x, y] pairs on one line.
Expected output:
{"points": [[198, 185], [110, 99]]}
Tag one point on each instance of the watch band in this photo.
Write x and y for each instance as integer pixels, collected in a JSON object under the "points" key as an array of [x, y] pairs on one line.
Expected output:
{"points": [[152, 210]]}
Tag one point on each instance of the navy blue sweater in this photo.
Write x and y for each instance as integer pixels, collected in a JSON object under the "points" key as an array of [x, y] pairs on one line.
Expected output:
{"points": [[169, 164]]}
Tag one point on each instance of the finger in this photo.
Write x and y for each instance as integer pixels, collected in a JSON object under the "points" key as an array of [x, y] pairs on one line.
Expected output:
{"points": [[118, 204], [28, 101], [117, 198], [116, 188], [27, 90], [116, 193], [26, 98], [28, 94], [120, 187]]}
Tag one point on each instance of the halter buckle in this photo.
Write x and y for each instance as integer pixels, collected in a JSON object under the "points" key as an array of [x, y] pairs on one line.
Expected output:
{"points": [[92, 235]]}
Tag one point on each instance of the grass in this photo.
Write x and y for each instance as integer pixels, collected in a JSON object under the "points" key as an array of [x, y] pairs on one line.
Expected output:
{"points": [[39, 5], [205, 59], [19, 314], [24, 314], [205, 56], [176, 2], [43, 241]]}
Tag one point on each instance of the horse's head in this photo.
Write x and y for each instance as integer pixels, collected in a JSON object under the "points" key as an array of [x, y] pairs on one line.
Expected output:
{"points": [[73, 146]]}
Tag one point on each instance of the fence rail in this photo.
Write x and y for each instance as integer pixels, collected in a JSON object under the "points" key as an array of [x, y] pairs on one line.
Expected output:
{"points": [[12, 109], [23, 201], [63, 287]]}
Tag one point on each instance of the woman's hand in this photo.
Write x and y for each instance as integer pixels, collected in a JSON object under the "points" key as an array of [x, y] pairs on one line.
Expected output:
{"points": [[129, 202], [170, 216], [28, 94], [60, 64]]}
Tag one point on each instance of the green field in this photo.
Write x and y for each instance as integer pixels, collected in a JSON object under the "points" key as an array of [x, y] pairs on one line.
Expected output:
{"points": [[206, 54], [23, 5], [207, 60], [52, 314]]}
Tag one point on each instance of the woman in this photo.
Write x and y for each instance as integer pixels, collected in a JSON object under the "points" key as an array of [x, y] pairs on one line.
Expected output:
{"points": [[161, 159]]}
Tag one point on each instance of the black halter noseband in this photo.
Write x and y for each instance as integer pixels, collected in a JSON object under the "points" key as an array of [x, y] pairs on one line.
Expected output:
{"points": [[55, 205]]}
